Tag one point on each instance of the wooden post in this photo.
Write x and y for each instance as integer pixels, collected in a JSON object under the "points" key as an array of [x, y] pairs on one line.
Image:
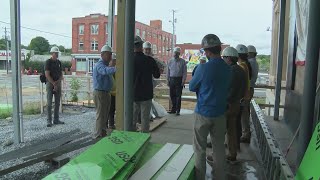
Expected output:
{"points": [[89, 91], [120, 65]]}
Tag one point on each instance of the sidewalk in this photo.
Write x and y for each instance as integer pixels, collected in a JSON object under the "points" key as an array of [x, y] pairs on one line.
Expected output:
{"points": [[179, 130]]}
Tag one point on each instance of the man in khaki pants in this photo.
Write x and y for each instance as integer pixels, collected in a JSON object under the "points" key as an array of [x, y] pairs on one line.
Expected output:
{"points": [[211, 82], [236, 93], [102, 84]]}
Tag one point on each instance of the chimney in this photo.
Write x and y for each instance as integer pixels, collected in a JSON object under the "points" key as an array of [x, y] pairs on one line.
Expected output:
{"points": [[156, 24]]}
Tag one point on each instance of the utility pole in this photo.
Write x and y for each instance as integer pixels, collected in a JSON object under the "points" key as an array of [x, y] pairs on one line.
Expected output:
{"points": [[174, 21], [7, 49], [111, 23]]}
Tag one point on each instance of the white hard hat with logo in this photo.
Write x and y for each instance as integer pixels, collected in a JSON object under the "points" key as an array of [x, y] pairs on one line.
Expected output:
{"points": [[242, 49], [146, 45], [54, 49], [137, 39], [210, 40], [252, 49], [230, 52], [177, 49], [106, 48]]}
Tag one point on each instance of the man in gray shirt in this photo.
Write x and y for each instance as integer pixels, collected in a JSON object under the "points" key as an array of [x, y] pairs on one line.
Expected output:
{"points": [[176, 77], [252, 53]]}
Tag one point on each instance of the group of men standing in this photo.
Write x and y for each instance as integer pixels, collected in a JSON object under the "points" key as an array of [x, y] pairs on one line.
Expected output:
{"points": [[224, 87], [145, 69]]}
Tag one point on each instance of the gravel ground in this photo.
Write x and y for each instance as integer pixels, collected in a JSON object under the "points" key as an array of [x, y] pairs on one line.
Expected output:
{"points": [[35, 129]]}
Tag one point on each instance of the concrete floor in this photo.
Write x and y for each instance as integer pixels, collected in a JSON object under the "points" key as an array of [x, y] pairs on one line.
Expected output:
{"points": [[179, 129]]}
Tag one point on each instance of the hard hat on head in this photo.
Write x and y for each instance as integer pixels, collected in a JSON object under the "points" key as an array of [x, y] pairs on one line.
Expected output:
{"points": [[106, 48], [252, 49], [137, 39], [114, 56], [146, 45], [242, 49], [230, 52], [203, 58], [54, 49], [177, 49], [210, 40]]}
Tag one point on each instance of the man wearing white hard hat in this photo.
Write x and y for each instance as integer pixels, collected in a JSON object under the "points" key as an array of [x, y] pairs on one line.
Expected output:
{"points": [[236, 93], [252, 53], [102, 84], [145, 67], [211, 82], [244, 111], [54, 76], [176, 77]]}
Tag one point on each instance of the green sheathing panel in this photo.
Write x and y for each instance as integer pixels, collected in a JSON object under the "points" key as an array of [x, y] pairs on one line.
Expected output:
{"points": [[310, 168], [105, 159]]}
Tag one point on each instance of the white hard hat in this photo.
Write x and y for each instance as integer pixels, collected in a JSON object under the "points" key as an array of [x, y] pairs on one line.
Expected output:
{"points": [[203, 58], [114, 56], [106, 48], [177, 49], [251, 49], [230, 52], [242, 49], [146, 45], [54, 49], [210, 40], [137, 39]]}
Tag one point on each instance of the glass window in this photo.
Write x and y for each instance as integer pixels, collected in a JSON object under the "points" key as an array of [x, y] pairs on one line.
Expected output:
{"points": [[94, 29], [94, 45], [81, 46], [143, 34], [154, 49], [167, 52], [81, 29], [154, 36], [160, 37], [106, 28], [137, 32], [163, 50], [81, 65]]}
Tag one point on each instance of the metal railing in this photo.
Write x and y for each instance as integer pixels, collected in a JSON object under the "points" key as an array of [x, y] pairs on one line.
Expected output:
{"points": [[275, 164]]}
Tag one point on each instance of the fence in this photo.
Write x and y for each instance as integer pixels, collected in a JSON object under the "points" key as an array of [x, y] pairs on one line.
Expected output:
{"points": [[276, 166]]}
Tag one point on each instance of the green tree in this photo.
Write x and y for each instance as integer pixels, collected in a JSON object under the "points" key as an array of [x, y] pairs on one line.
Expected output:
{"points": [[61, 48], [3, 44], [40, 45]]}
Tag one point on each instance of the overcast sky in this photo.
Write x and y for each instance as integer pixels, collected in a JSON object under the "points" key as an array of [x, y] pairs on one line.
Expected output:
{"points": [[234, 21]]}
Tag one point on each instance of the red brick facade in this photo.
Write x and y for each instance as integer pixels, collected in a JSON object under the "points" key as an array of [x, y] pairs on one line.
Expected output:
{"points": [[160, 39]]}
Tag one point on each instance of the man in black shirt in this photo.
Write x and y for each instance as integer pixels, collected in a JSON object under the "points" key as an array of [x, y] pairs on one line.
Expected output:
{"points": [[53, 72], [144, 68]]}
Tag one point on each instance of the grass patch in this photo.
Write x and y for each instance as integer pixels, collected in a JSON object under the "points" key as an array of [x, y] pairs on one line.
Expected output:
{"points": [[5, 113], [31, 108], [260, 100]]}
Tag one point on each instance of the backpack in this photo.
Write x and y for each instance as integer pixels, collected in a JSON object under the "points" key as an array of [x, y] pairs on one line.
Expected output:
{"points": [[43, 78]]}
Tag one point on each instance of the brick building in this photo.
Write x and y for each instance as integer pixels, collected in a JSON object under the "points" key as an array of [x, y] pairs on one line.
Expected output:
{"points": [[90, 33]]}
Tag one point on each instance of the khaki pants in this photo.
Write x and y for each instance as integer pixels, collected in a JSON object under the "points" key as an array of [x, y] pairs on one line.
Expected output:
{"points": [[217, 128], [245, 119], [102, 101], [143, 109], [57, 96], [232, 138]]}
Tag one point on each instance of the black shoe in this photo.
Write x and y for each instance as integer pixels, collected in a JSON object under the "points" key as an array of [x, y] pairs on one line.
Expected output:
{"points": [[112, 127], [49, 125], [58, 122], [245, 140], [178, 113], [171, 112]]}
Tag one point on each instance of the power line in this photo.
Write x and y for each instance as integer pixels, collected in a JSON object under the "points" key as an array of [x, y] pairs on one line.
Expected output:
{"points": [[47, 32]]}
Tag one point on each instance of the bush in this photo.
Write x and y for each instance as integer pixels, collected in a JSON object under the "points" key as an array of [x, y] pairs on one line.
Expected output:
{"points": [[75, 86]]}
